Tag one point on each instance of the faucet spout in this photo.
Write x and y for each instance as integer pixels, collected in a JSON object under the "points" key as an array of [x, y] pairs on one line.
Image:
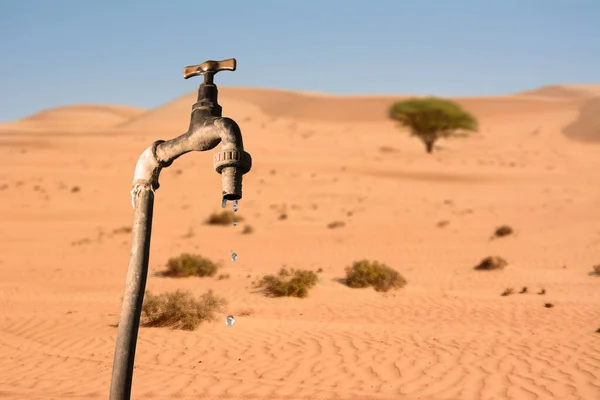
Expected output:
{"points": [[205, 133], [232, 162]]}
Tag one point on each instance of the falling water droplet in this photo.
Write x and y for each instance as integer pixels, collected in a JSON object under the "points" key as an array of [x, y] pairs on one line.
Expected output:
{"points": [[229, 321], [234, 222], [234, 255], [224, 203], [235, 205]]}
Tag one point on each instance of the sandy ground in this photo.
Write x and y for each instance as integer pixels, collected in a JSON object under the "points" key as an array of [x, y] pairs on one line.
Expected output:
{"points": [[65, 177]]}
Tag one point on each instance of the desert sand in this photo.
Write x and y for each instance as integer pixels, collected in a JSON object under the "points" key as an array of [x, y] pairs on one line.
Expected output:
{"points": [[65, 178]]}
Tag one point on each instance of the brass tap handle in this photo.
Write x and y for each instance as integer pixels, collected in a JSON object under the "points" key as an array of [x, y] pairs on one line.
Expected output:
{"points": [[209, 69]]}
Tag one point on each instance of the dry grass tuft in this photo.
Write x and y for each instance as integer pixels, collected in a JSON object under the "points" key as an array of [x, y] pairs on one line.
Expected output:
{"points": [[503, 230], [491, 263], [295, 283], [225, 217], [187, 264], [122, 230], [180, 310], [336, 224], [365, 273], [443, 223]]}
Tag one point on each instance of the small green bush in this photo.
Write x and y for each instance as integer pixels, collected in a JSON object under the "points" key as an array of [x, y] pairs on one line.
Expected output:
{"points": [[180, 309], [187, 264], [297, 286], [365, 273]]}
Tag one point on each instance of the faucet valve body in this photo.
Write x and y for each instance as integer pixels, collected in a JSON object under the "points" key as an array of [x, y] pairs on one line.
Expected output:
{"points": [[207, 92], [207, 99], [232, 164]]}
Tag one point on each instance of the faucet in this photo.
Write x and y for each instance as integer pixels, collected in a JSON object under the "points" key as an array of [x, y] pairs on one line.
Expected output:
{"points": [[207, 129]]}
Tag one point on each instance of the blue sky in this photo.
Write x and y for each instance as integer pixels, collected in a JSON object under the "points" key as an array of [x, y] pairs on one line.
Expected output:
{"points": [[62, 52]]}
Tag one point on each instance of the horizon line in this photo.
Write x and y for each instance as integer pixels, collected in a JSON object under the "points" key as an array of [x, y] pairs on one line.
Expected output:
{"points": [[308, 93]]}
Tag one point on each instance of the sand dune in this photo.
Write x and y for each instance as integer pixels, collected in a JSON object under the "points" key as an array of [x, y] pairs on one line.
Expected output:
{"points": [[243, 103], [74, 118], [565, 91], [587, 125], [318, 159]]}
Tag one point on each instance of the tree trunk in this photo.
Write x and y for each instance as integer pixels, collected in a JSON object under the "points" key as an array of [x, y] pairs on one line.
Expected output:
{"points": [[429, 146]]}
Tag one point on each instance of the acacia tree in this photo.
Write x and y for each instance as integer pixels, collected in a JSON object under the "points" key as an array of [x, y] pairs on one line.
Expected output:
{"points": [[432, 118]]}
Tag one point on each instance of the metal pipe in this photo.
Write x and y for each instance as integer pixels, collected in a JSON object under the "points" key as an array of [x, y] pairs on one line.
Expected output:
{"points": [[137, 273]]}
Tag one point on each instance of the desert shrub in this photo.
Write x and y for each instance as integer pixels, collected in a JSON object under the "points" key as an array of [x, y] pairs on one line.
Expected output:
{"points": [[225, 217], [503, 230], [336, 224], [187, 264], [121, 230], [491, 263], [180, 309], [247, 230], [245, 312], [223, 276], [297, 286], [548, 305], [365, 273], [508, 292], [597, 269], [524, 290]]}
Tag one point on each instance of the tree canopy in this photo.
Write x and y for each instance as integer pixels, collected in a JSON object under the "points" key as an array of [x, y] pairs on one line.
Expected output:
{"points": [[432, 118]]}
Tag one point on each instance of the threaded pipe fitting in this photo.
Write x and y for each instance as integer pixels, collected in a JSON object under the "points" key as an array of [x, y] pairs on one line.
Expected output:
{"points": [[239, 159]]}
